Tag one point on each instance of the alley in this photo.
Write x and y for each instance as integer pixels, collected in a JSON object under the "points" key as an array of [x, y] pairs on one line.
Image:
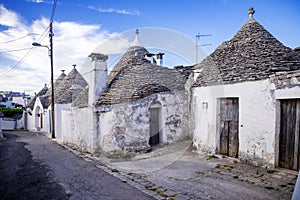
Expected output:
{"points": [[35, 167]]}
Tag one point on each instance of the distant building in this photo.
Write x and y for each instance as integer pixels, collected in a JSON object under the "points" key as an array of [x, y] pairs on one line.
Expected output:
{"points": [[14, 99]]}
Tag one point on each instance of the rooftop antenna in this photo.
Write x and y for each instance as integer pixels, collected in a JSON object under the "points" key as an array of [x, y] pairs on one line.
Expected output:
{"points": [[197, 45]]}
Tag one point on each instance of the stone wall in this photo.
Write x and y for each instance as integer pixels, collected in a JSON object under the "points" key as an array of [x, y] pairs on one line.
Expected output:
{"points": [[127, 126], [287, 79]]}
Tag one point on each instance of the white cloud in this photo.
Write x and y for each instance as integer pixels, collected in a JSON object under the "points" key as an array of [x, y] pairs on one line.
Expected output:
{"points": [[113, 10], [72, 41], [39, 1]]}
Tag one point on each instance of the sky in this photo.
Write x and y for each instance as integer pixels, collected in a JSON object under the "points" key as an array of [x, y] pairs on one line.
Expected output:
{"points": [[108, 26]]}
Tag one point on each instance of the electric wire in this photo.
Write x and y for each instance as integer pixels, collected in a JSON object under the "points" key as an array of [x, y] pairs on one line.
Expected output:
{"points": [[18, 38], [23, 59], [7, 51]]}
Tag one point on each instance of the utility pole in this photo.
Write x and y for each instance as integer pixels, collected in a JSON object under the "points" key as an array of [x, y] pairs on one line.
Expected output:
{"points": [[50, 53], [197, 39], [52, 83]]}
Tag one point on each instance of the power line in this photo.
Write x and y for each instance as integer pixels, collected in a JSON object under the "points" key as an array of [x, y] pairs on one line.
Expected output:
{"points": [[23, 59], [15, 50], [19, 38]]}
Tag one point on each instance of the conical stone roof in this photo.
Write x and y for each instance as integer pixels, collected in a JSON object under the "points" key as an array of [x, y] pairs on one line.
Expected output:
{"points": [[42, 92], [69, 88], [134, 54], [59, 79], [134, 77], [57, 82], [252, 54]]}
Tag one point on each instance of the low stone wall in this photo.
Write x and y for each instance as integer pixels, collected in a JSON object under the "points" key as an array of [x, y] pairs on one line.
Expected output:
{"points": [[12, 124]]}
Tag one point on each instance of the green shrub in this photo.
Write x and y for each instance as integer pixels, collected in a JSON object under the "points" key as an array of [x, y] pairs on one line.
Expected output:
{"points": [[11, 112]]}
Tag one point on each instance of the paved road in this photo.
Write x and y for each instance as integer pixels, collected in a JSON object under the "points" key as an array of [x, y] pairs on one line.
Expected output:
{"points": [[35, 167]]}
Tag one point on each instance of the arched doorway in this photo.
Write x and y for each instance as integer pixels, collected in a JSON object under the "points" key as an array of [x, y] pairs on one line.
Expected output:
{"points": [[155, 123]]}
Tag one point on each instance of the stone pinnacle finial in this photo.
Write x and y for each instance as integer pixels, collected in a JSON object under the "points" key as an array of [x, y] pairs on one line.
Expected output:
{"points": [[74, 65], [251, 11], [63, 71], [136, 41]]}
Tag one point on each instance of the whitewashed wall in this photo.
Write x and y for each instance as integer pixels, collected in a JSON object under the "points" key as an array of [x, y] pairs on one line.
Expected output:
{"points": [[79, 128], [257, 113], [46, 121], [12, 124], [59, 126], [32, 119], [134, 119]]}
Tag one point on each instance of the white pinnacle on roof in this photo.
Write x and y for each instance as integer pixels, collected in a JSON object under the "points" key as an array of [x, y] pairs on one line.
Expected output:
{"points": [[136, 42]]}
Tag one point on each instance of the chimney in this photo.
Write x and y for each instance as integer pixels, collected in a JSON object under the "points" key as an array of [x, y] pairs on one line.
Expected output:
{"points": [[159, 58], [98, 77], [149, 57]]}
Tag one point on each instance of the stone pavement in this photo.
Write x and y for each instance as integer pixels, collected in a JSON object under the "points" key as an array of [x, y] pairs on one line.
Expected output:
{"points": [[176, 172]]}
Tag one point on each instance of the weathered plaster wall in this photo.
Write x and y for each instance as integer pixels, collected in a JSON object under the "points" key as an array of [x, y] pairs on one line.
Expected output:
{"points": [[127, 126], [78, 128], [257, 109]]}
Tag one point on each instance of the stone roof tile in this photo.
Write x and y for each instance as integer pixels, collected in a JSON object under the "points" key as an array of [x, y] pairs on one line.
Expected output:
{"points": [[39, 94], [69, 88], [82, 99], [139, 80], [252, 54]]}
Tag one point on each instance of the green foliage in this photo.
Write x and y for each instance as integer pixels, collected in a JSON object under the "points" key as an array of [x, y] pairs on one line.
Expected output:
{"points": [[11, 112]]}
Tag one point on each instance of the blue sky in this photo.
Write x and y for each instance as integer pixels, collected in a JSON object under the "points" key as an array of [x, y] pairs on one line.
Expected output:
{"points": [[81, 26]]}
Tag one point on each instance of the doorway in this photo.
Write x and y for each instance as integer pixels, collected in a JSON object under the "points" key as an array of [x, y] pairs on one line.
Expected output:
{"points": [[229, 126], [289, 152], [155, 123]]}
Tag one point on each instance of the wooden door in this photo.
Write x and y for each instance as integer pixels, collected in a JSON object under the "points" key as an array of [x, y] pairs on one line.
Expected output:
{"points": [[289, 155], [154, 126], [229, 126]]}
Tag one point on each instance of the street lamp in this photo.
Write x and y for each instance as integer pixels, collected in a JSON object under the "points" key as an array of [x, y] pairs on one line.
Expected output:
{"points": [[50, 50]]}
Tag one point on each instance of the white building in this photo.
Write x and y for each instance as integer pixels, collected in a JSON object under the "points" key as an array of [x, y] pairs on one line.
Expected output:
{"points": [[243, 101], [240, 93]]}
